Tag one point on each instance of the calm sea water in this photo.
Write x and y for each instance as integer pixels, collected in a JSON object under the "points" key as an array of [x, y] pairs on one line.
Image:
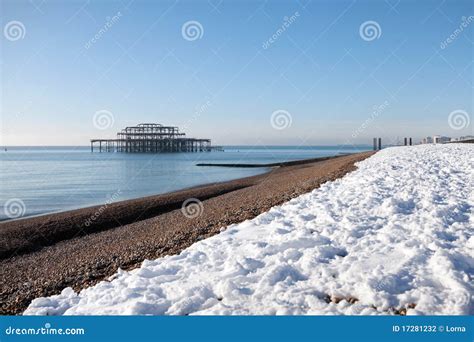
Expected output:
{"points": [[39, 180]]}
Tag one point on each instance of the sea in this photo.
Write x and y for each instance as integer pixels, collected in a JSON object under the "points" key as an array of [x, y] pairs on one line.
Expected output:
{"points": [[39, 180]]}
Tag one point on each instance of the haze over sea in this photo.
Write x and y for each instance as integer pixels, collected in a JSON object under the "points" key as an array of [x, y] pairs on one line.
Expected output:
{"points": [[51, 179]]}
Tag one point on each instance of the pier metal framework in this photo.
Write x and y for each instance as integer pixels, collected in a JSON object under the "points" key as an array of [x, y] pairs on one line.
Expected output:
{"points": [[153, 138]]}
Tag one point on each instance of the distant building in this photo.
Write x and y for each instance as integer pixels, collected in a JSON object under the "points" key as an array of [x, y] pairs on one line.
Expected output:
{"points": [[439, 139], [427, 140]]}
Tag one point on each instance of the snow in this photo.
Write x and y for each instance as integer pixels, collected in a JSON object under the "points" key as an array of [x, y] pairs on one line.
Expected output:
{"points": [[397, 231]]}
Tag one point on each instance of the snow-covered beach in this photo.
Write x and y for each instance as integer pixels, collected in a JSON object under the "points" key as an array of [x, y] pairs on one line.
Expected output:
{"points": [[394, 236]]}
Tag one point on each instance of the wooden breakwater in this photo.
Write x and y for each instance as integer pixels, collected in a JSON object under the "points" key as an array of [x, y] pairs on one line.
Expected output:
{"points": [[286, 163]]}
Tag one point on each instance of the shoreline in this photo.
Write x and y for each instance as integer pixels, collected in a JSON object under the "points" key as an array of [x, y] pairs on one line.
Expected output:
{"points": [[98, 205], [31, 233], [128, 232], [73, 222], [267, 166]]}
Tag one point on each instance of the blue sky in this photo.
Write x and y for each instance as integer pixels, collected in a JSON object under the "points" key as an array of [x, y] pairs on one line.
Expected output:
{"points": [[226, 84]]}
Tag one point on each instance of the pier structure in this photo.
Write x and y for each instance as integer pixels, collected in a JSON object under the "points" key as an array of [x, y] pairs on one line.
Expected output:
{"points": [[152, 138]]}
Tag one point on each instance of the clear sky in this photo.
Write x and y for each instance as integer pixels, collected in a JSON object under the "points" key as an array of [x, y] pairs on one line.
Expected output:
{"points": [[134, 61]]}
